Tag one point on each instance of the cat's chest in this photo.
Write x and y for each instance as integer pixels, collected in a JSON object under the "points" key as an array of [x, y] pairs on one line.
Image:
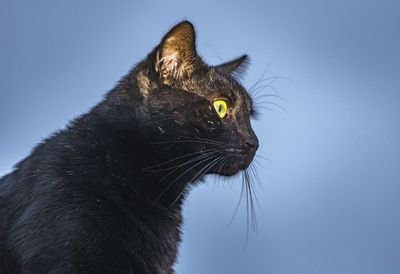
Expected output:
{"points": [[153, 237]]}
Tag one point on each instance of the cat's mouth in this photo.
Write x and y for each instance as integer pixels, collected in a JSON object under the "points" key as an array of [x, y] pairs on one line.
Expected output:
{"points": [[236, 159]]}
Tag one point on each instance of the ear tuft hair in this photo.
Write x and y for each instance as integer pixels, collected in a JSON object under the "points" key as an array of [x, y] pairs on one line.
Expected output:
{"points": [[237, 67], [176, 55]]}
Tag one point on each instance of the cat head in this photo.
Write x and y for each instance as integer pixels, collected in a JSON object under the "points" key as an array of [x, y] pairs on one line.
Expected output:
{"points": [[196, 109]]}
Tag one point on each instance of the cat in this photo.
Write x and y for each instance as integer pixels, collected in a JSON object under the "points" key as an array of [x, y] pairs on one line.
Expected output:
{"points": [[104, 195]]}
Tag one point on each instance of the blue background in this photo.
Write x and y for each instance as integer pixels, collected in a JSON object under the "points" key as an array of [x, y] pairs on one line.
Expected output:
{"points": [[330, 195]]}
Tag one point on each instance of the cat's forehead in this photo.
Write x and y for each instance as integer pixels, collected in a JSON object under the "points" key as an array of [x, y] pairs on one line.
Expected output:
{"points": [[225, 85]]}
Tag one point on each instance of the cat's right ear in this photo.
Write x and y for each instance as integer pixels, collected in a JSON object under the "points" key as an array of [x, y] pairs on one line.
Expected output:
{"points": [[236, 67], [176, 56]]}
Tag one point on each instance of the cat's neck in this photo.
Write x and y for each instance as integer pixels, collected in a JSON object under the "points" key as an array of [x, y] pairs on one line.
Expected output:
{"points": [[125, 157]]}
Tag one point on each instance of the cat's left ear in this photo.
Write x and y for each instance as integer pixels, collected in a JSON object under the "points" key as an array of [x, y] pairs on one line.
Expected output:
{"points": [[236, 67], [176, 56]]}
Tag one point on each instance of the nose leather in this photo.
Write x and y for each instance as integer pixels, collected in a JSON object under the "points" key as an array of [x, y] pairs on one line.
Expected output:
{"points": [[252, 144]]}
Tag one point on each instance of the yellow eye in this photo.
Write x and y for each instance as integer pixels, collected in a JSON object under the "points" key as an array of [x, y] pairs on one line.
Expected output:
{"points": [[221, 107]]}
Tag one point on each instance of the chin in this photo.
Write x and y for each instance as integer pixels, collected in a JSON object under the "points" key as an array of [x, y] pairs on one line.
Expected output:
{"points": [[229, 172], [234, 166]]}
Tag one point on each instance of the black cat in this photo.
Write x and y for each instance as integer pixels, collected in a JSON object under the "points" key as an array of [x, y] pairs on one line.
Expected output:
{"points": [[105, 194]]}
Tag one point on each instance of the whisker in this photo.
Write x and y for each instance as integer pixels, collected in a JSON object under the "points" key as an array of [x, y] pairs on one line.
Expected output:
{"points": [[185, 141], [255, 196], [256, 98], [244, 182], [256, 161], [206, 168], [272, 80], [255, 173], [215, 51], [180, 176], [261, 77], [274, 104], [210, 140], [151, 168], [251, 216], [263, 157], [191, 161], [251, 200], [202, 172], [237, 206], [256, 89], [218, 178]]}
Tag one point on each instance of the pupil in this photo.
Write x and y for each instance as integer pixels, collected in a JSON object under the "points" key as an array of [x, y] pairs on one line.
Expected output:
{"points": [[219, 108]]}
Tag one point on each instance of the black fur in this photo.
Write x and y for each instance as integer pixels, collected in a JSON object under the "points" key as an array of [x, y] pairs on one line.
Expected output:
{"points": [[104, 195]]}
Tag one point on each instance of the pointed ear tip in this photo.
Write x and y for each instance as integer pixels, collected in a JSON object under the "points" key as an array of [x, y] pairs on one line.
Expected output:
{"points": [[246, 61], [185, 22], [245, 57], [184, 25]]}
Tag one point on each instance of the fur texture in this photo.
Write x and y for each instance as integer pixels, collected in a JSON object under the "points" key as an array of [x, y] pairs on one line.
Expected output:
{"points": [[104, 195]]}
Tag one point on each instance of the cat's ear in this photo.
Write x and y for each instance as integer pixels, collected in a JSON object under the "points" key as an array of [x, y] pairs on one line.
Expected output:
{"points": [[176, 56], [236, 67]]}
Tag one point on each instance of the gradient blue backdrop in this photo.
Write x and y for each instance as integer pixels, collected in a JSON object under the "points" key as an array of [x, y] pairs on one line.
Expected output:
{"points": [[331, 196]]}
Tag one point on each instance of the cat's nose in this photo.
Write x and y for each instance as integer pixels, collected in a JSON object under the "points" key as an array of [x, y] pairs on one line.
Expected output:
{"points": [[252, 144]]}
